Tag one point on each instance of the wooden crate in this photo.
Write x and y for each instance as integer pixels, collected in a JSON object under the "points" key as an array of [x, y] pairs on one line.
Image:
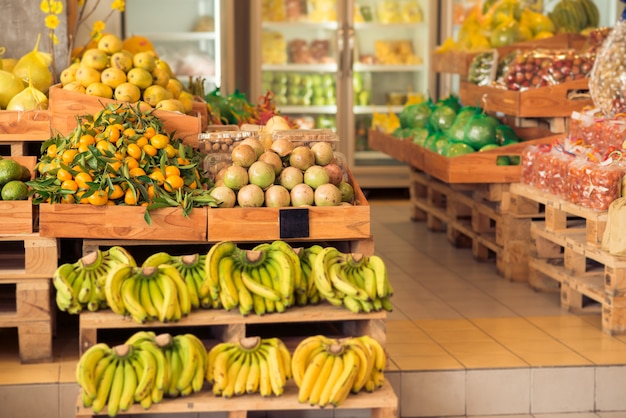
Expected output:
{"points": [[66, 105], [479, 167], [542, 102], [19, 216], [400, 149], [458, 62], [383, 403], [27, 262], [314, 222], [19, 128], [121, 222]]}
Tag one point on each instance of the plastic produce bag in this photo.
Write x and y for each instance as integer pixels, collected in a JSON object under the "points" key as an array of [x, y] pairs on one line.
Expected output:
{"points": [[607, 81]]}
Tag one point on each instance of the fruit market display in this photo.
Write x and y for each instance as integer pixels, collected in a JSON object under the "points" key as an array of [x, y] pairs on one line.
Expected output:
{"points": [[110, 71], [148, 369], [326, 370], [13, 178], [120, 156], [498, 23], [24, 81], [250, 365], [450, 129], [143, 370], [270, 277], [291, 168]]}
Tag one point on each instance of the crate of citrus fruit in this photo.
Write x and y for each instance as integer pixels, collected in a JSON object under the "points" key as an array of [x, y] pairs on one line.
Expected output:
{"points": [[15, 206], [119, 174]]}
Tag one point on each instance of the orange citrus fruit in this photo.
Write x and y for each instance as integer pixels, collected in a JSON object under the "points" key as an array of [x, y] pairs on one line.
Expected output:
{"points": [[130, 198], [149, 150], [158, 177], [159, 141], [173, 183], [63, 174], [116, 193], [134, 151], [172, 170], [82, 179], [69, 185], [98, 198]]}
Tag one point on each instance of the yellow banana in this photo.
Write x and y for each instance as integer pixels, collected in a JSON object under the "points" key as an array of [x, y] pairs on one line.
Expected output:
{"points": [[149, 372], [322, 261], [132, 303], [312, 374], [113, 287], [227, 287], [304, 353], [380, 358], [220, 369], [258, 288], [265, 280], [276, 371], [285, 355], [212, 356], [156, 297], [176, 368], [232, 374], [253, 378], [104, 387], [120, 255], [156, 259], [333, 377], [369, 280], [190, 282], [365, 363], [190, 357], [246, 304], [322, 380], [380, 271], [117, 386], [197, 382], [184, 299], [282, 265], [265, 386], [283, 287], [146, 300], [343, 385], [296, 271], [130, 383], [170, 297], [216, 253], [86, 367], [161, 377]]}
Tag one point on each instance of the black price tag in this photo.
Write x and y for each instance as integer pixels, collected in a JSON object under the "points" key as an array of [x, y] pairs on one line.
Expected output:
{"points": [[294, 223]]}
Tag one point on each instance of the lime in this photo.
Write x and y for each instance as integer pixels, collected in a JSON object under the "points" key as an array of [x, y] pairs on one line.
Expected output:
{"points": [[9, 170], [14, 190], [25, 174], [455, 149]]}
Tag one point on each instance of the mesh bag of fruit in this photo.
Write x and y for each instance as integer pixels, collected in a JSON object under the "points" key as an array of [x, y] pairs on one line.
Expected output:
{"points": [[607, 83]]}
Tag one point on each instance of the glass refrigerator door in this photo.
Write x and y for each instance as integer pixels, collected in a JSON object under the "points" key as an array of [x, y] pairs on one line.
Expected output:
{"points": [[185, 33], [390, 43], [296, 47]]}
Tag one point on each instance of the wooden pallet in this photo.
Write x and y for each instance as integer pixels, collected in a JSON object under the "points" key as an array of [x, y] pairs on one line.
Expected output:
{"points": [[27, 263], [482, 216], [589, 280], [383, 403]]}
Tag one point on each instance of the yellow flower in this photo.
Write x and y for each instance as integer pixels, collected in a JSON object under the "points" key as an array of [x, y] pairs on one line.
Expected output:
{"points": [[52, 21], [118, 5], [98, 26], [45, 6], [54, 38], [57, 7]]}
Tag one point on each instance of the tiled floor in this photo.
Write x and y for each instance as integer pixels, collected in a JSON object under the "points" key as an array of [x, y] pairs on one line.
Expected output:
{"points": [[461, 340]]}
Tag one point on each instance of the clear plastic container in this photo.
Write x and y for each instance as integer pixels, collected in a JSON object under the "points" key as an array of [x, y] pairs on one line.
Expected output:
{"points": [[222, 142]]}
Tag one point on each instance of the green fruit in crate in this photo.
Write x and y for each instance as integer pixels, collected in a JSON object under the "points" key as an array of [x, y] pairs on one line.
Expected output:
{"points": [[14, 190], [455, 149], [416, 115], [9, 170], [479, 131], [442, 118]]}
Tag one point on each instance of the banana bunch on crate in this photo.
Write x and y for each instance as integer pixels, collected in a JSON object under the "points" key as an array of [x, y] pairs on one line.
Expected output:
{"points": [[358, 282], [326, 370], [143, 370], [251, 365], [80, 285], [147, 293], [192, 269], [262, 280]]}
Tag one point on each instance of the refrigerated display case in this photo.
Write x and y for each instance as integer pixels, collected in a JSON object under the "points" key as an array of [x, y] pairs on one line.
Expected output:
{"points": [[190, 35], [337, 64]]}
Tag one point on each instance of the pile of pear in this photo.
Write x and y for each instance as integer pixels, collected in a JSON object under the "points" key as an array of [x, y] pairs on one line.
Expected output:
{"points": [[110, 71]]}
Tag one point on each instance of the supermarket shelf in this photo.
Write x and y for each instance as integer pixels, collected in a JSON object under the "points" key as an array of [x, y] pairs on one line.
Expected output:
{"points": [[330, 68], [368, 110], [300, 25], [382, 68], [313, 110]]}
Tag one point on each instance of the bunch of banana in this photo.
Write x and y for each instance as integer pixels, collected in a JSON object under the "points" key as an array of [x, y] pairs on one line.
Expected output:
{"points": [[147, 293], [80, 285], [573, 16], [191, 267], [117, 377], [251, 365], [262, 280], [358, 282], [186, 357], [327, 370], [312, 295]]}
